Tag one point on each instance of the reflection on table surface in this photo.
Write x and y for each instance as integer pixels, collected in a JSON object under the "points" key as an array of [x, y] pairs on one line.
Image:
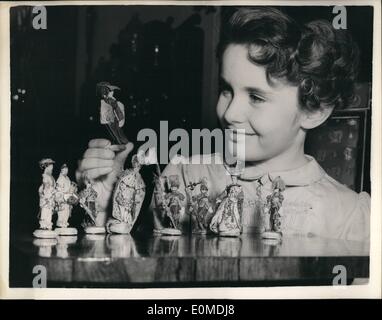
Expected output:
{"points": [[125, 246], [125, 260]]}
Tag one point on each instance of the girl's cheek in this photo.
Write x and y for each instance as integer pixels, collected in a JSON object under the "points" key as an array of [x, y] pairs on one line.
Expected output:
{"points": [[221, 108], [259, 123]]}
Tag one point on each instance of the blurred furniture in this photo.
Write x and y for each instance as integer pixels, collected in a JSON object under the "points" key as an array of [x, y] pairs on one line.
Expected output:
{"points": [[158, 66], [43, 122], [342, 144]]}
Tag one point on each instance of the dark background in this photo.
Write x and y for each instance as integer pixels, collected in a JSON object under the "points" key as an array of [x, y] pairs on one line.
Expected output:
{"points": [[82, 45]]}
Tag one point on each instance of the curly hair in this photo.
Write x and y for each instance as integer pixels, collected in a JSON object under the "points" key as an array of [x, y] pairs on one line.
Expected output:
{"points": [[319, 59]]}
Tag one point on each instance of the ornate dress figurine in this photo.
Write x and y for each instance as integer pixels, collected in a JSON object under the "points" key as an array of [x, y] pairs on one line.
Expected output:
{"points": [[87, 201], [200, 207], [65, 198], [128, 197], [47, 203], [227, 220], [174, 205], [169, 207], [112, 112], [272, 211]]}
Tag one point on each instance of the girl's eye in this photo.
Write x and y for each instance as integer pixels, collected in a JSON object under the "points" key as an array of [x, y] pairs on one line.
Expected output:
{"points": [[225, 89], [255, 98], [225, 92]]}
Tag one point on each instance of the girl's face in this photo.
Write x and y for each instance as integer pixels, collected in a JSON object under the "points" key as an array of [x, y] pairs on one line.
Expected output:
{"points": [[268, 112]]}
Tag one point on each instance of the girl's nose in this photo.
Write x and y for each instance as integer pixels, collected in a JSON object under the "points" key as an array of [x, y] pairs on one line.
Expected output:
{"points": [[235, 112]]}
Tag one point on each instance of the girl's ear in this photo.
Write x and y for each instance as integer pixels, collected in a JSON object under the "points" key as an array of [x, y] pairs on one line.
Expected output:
{"points": [[312, 119]]}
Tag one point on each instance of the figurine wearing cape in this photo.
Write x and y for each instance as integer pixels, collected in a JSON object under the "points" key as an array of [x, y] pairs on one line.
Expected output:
{"points": [[227, 219], [128, 197]]}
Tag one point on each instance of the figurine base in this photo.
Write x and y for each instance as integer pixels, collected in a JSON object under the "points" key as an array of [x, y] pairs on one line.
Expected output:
{"points": [[229, 234], [95, 236], [271, 242], [120, 228], [170, 232], [66, 231], [199, 232], [45, 234], [95, 230], [67, 239], [172, 238], [47, 242], [272, 235]]}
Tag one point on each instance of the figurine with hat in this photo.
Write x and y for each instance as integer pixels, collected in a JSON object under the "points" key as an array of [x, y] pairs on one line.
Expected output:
{"points": [[88, 202], [172, 206], [65, 197], [227, 219], [46, 193], [200, 207], [272, 210], [112, 112]]}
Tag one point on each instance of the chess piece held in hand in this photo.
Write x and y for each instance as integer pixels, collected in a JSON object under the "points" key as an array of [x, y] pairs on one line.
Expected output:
{"points": [[128, 197], [227, 219], [66, 197], [272, 211], [47, 201], [112, 112]]}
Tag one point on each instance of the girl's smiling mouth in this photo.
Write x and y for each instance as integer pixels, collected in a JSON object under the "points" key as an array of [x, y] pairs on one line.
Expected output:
{"points": [[239, 135]]}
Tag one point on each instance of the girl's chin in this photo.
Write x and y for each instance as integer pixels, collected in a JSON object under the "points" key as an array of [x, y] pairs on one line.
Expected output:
{"points": [[244, 151], [240, 155]]}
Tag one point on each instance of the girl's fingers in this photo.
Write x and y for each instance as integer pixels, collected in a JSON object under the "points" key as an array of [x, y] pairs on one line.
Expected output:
{"points": [[117, 147], [94, 174], [99, 143], [94, 163], [99, 153]]}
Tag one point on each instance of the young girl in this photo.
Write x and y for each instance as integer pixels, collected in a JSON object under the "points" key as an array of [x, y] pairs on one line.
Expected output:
{"points": [[278, 80]]}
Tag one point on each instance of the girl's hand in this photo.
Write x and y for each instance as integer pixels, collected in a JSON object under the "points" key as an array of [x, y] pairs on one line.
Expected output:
{"points": [[102, 162]]}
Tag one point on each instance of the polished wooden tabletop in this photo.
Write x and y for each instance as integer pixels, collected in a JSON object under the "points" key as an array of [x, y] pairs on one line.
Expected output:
{"points": [[124, 259]]}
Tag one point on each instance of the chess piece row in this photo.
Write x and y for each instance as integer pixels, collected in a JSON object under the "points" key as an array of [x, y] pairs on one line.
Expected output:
{"points": [[61, 196], [222, 216], [169, 201], [55, 197]]}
